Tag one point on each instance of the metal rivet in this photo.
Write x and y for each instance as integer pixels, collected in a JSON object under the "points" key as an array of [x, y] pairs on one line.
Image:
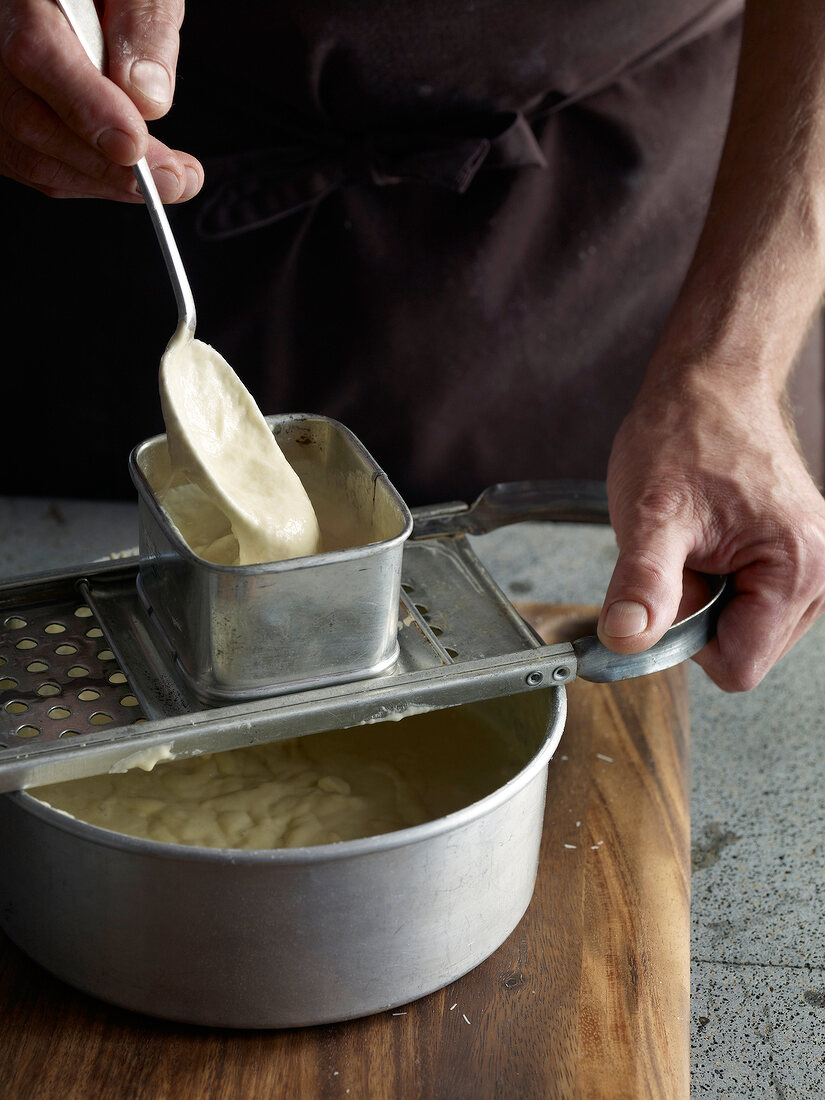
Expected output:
{"points": [[561, 673], [534, 678]]}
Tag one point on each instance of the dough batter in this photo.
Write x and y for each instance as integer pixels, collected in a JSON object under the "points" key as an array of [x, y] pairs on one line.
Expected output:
{"points": [[232, 495], [327, 787]]}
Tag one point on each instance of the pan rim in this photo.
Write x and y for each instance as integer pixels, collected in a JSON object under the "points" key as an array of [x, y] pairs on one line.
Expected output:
{"points": [[318, 853]]}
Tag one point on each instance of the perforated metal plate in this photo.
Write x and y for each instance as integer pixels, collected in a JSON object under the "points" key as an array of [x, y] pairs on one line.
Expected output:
{"points": [[119, 692], [58, 676]]}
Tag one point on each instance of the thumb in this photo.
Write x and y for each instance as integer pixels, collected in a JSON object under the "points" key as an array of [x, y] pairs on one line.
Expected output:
{"points": [[644, 593], [142, 40]]}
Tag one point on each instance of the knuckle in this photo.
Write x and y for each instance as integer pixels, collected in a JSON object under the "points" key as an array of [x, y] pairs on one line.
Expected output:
{"points": [[648, 565], [117, 179], [655, 500], [15, 160], [647, 572], [664, 501], [162, 22], [654, 520], [734, 673], [804, 556], [44, 172], [37, 170], [647, 587], [22, 49], [740, 679], [153, 28], [26, 119], [815, 551]]}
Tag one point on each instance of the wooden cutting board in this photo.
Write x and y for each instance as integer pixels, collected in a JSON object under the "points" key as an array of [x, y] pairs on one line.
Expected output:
{"points": [[588, 998]]}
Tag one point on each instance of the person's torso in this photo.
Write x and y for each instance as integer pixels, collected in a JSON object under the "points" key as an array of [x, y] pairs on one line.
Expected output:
{"points": [[352, 65]]}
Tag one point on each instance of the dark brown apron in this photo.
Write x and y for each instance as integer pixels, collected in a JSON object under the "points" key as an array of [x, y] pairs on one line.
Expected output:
{"points": [[456, 228]]}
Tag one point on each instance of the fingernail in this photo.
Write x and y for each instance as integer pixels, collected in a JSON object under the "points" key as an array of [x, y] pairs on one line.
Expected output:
{"points": [[624, 619], [152, 80], [193, 182], [167, 183], [116, 145]]}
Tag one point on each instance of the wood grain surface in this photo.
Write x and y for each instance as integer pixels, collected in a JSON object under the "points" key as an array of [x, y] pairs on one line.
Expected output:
{"points": [[588, 998]]}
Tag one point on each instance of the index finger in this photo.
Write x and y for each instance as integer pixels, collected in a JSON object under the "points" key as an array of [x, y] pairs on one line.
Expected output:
{"points": [[768, 613]]}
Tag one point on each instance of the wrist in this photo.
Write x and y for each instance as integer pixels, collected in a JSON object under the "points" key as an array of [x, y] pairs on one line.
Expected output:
{"points": [[734, 335], [708, 398]]}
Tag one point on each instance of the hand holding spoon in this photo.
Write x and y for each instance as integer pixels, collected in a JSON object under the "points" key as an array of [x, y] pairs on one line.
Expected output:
{"points": [[218, 439]]}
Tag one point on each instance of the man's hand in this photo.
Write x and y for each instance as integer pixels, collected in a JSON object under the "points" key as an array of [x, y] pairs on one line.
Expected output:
{"points": [[70, 132], [704, 472], [712, 481]]}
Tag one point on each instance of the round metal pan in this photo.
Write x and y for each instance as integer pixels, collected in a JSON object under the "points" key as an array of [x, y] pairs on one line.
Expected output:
{"points": [[268, 939]]}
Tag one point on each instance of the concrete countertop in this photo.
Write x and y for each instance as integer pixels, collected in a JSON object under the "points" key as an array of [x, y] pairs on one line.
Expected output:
{"points": [[758, 777]]}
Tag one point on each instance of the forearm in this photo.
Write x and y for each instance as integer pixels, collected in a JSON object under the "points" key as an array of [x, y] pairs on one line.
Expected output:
{"points": [[758, 273]]}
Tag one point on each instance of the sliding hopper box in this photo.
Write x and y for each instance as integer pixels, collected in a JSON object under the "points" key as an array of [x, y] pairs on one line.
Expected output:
{"points": [[253, 631]]}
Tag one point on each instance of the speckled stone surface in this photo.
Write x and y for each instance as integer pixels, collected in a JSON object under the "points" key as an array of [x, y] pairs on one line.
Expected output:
{"points": [[39, 535], [757, 804]]}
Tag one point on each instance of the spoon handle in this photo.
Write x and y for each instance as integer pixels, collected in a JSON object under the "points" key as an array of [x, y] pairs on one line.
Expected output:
{"points": [[84, 21], [168, 246]]}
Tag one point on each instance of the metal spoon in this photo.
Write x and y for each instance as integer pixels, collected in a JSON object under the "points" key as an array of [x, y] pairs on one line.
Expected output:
{"points": [[220, 441], [83, 18]]}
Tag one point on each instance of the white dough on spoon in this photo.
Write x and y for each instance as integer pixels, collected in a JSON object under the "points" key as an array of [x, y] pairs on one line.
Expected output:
{"points": [[219, 440]]}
